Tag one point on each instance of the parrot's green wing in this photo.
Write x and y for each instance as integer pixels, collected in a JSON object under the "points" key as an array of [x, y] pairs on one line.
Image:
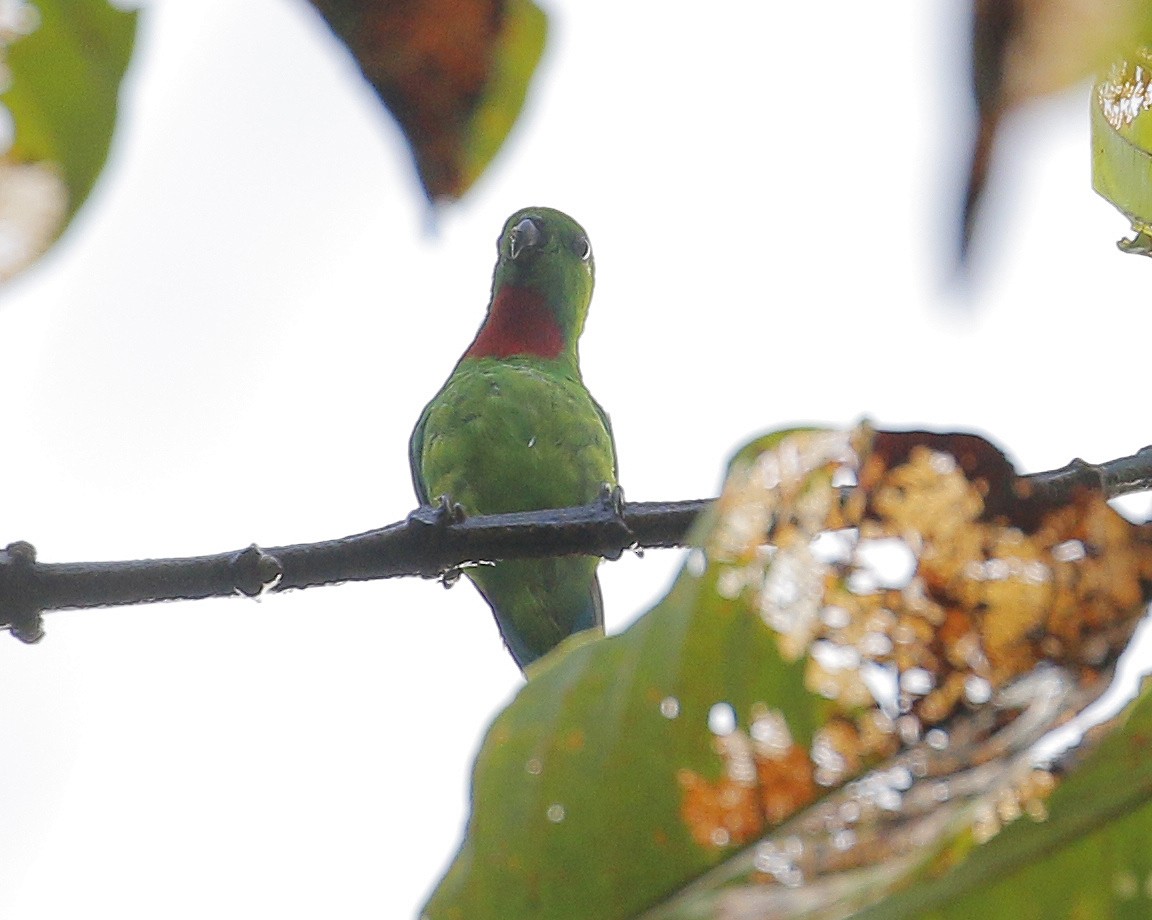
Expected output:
{"points": [[611, 437], [415, 450]]}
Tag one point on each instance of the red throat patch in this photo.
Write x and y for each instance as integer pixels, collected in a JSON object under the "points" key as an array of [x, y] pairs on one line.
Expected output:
{"points": [[519, 323]]}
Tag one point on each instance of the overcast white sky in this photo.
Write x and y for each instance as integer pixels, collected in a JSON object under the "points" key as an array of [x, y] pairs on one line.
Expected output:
{"points": [[236, 337]]}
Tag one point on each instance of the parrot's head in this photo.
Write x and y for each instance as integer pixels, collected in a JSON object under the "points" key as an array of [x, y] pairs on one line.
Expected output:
{"points": [[547, 252]]}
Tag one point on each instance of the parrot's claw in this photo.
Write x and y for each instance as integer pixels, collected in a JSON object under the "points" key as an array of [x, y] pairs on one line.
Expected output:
{"points": [[442, 514], [451, 512], [439, 516], [611, 499]]}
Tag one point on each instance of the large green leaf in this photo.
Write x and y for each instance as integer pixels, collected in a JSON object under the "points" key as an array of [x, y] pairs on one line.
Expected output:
{"points": [[577, 789], [799, 730], [65, 82]]}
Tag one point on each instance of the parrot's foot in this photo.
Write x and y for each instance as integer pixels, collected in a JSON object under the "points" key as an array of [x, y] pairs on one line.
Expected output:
{"points": [[442, 514], [439, 516], [611, 499]]}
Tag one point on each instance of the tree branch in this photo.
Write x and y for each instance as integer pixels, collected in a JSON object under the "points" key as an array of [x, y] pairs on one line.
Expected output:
{"points": [[430, 542]]}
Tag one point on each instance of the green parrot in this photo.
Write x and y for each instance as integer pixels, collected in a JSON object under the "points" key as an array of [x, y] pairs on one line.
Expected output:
{"points": [[515, 429]]}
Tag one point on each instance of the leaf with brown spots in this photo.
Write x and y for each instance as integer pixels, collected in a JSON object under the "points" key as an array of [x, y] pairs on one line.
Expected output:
{"points": [[843, 691], [453, 73]]}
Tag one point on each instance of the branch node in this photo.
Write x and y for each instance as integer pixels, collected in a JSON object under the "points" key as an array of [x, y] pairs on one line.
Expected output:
{"points": [[255, 572], [1085, 470], [19, 612]]}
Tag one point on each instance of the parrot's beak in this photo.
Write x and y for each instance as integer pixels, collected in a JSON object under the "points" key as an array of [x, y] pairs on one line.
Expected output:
{"points": [[524, 236]]}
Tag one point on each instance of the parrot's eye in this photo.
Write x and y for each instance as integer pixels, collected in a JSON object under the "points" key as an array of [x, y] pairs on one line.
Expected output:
{"points": [[582, 248]]}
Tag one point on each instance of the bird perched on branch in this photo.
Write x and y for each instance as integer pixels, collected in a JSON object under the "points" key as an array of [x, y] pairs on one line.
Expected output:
{"points": [[515, 429]]}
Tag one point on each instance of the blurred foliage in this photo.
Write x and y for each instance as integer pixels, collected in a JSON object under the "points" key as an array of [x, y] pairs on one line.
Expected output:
{"points": [[65, 60], [1026, 49], [453, 73], [833, 709], [1089, 859]]}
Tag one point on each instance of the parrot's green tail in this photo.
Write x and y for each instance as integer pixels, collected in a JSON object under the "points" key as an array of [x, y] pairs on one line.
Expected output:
{"points": [[538, 603]]}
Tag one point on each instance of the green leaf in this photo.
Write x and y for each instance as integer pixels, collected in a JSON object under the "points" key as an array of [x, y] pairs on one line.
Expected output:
{"points": [[549, 837], [65, 83], [453, 73], [1122, 144], [518, 52], [735, 753], [579, 787]]}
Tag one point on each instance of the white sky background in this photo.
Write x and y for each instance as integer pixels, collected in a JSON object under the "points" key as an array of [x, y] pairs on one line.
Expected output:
{"points": [[236, 337]]}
